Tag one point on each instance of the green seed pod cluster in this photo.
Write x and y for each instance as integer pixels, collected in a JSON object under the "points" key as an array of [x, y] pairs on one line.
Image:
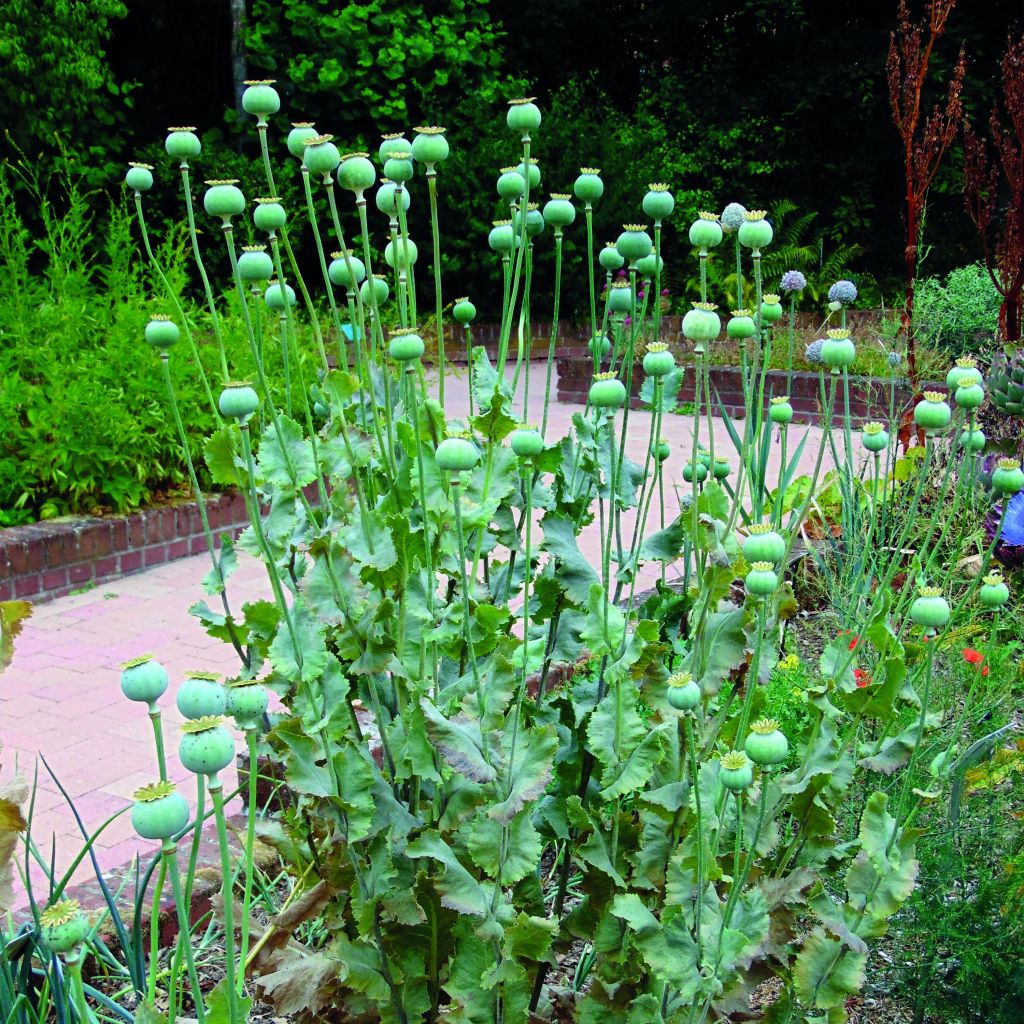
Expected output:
{"points": [[994, 592], [161, 332], [559, 211], [394, 142], [526, 442], [238, 401], [634, 243], [269, 215], [620, 297], [771, 309], [610, 258], [1008, 477], [405, 345], [223, 198], [695, 471], [599, 346], [139, 177], [398, 167], [321, 156], [702, 323], [301, 134], [838, 350], [63, 927], [762, 581], [741, 325], [502, 238], [464, 311], [511, 184], [346, 269], [763, 544], [247, 702], [356, 174], [255, 264]]}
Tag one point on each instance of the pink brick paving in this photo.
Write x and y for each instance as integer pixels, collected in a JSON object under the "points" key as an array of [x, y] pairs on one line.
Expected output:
{"points": [[61, 695]]}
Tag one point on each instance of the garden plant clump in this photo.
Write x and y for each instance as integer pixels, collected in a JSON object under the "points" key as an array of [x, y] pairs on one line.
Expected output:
{"points": [[514, 782]]}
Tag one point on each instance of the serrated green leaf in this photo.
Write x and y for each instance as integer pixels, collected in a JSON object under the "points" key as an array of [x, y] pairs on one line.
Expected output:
{"points": [[458, 889], [459, 742], [523, 849], [826, 973], [302, 654], [223, 458], [286, 461]]}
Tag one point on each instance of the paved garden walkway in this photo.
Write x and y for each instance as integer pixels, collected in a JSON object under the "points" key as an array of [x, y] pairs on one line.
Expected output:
{"points": [[61, 696]]}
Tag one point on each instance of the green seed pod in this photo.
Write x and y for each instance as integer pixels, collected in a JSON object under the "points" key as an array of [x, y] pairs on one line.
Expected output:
{"points": [[346, 269], [969, 396], [932, 413], [159, 812], [321, 156], [634, 243], [511, 184], [143, 680], [658, 361], [755, 232], [994, 592], [201, 694], [695, 471], [523, 115], [261, 99], [771, 309], [762, 580], [1008, 477], [429, 146], [386, 198], [255, 264], [224, 199], [456, 455], [650, 265], [705, 231], [964, 371], [139, 177], [741, 325], [972, 440], [930, 609], [720, 469], [399, 168], [356, 173], [531, 171], [609, 257], [779, 410], [607, 391], [658, 202], [501, 237], [620, 297], [702, 322], [405, 345], [661, 450], [162, 332], [559, 211], [404, 254], [182, 143], [534, 222], [302, 133], [526, 442], [238, 401], [464, 311], [247, 703], [269, 215], [765, 744], [599, 346], [838, 350], [393, 143], [206, 747], [683, 693], [381, 290], [874, 437], [63, 927], [275, 298], [735, 772], [588, 186], [763, 544]]}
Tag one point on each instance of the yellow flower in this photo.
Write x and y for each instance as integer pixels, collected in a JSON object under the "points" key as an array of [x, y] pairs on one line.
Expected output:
{"points": [[790, 663]]}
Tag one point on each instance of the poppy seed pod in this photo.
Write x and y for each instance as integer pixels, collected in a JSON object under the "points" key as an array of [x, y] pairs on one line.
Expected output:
{"points": [[526, 442], [620, 297], [224, 199], [780, 411], [356, 173], [276, 298], [238, 401], [762, 580], [302, 132], [766, 745], [269, 215], [1008, 477], [402, 254], [741, 325], [735, 772], [531, 172], [559, 211], [346, 269], [932, 412], [972, 440], [755, 232], [247, 702], [464, 311], [658, 202], [771, 309], [201, 693], [650, 265], [588, 186], [405, 345], [523, 115], [511, 184], [321, 155], [261, 99], [875, 437], [610, 258], [398, 167], [501, 237], [658, 361], [702, 323], [705, 231], [255, 264], [206, 747], [143, 680], [182, 143], [139, 177], [607, 391], [159, 811], [456, 454], [63, 927], [393, 143], [838, 350], [429, 146], [634, 243], [683, 692], [162, 332], [381, 290], [386, 200], [964, 371], [930, 609]]}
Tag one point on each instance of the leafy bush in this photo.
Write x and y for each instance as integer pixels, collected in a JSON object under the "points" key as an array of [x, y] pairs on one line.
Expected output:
{"points": [[959, 314]]}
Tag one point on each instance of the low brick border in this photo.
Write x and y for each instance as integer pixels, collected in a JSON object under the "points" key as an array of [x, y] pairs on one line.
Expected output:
{"points": [[46, 560]]}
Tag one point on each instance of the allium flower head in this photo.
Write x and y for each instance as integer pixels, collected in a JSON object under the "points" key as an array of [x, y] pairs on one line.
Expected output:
{"points": [[732, 216], [844, 292], [894, 359], [793, 281], [813, 352]]}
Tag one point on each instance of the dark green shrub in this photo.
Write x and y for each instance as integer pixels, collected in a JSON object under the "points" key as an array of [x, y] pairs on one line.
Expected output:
{"points": [[959, 314]]}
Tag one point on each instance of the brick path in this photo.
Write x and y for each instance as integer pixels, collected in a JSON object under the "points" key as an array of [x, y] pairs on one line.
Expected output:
{"points": [[61, 696]]}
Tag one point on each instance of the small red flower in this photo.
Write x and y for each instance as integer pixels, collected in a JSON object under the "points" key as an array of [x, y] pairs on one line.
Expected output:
{"points": [[973, 657], [853, 643], [862, 677]]}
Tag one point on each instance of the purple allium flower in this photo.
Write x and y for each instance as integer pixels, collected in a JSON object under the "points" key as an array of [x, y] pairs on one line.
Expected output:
{"points": [[844, 292], [622, 275], [1010, 547], [664, 293], [732, 216], [813, 352], [640, 295], [628, 320], [793, 281]]}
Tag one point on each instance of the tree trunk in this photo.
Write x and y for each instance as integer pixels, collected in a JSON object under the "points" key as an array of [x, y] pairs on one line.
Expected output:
{"points": [[238, 72], [910, 265], [1009, 318]]}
